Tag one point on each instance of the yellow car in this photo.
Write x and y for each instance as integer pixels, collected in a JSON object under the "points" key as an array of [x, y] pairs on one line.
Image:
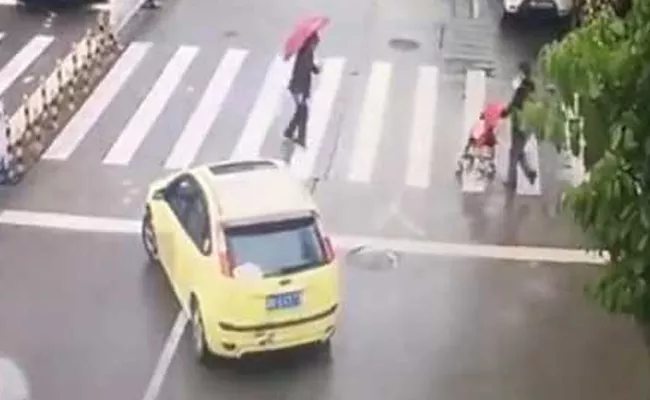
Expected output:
{"points": [[244, 249]]}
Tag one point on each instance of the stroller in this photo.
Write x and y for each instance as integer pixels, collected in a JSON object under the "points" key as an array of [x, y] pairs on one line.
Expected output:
{"points": [[479, 152]]}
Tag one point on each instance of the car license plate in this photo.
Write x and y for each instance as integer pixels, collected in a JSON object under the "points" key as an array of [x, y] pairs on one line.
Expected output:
{"points": [[283, 300]]}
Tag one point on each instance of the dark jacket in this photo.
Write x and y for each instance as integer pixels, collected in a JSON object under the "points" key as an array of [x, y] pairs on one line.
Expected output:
{"points": [[521, 95], [303, 68]]}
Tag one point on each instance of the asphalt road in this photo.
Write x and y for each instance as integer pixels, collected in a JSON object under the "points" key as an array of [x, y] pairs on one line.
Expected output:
{"points": [[85, 316]]}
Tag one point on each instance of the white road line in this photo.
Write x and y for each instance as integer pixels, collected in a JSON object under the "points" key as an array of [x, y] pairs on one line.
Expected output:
{"points": [[69, 222], [303, 162], [23, 59], [368, 134], [264, 111], [92, 224], [199, 124], [96, 6], [166, 357], [475, 12], [144, 118], [82, 121], [425, 105], [524, 187], [475, 95], [2, 35]]}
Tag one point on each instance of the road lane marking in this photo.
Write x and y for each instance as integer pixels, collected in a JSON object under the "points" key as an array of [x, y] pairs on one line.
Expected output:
{"points": [[303, 162], [199, 124], [524, 187], [80, 223], [475, 11], [151, 107], [475, 95], [96, 6], [2, 35], [22, 60], [82, 121], [423, 123], [166, 357], [368, 134], [71, 222], [264, 111]]}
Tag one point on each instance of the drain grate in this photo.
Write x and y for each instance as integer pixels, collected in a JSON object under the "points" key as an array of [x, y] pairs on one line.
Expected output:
{"points": [[404, 45], [372, 259]]}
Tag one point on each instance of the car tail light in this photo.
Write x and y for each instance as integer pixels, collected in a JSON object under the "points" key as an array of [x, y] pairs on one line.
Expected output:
{"points": [[329, 249], [226, 261]]}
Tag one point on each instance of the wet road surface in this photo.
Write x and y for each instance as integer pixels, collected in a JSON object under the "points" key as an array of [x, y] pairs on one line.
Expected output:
{"points": [[86, 317], [94, 318]]}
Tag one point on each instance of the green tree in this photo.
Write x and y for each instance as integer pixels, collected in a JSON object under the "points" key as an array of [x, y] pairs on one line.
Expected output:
{"points": [[605, 66]]}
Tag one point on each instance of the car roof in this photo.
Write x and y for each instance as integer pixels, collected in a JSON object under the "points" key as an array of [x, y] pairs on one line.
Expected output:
{"points": [[255, 190]]}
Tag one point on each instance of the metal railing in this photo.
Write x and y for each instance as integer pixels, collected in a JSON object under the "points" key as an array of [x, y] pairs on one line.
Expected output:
{"points": [[27, 132]]}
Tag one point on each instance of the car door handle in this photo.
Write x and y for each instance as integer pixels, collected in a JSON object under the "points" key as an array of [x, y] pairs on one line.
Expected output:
{"points": [[285, 282]]}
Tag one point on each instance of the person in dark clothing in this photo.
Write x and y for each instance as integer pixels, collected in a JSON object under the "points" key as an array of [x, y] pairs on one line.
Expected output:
{"points": [[300, 89], [518, 137]]}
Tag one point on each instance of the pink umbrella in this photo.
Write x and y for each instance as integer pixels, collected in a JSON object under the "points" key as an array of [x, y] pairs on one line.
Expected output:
{"points": [[301, 32]]}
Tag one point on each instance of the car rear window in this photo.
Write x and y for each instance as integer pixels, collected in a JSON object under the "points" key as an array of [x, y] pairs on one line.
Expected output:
{"points": [[278, 248]]}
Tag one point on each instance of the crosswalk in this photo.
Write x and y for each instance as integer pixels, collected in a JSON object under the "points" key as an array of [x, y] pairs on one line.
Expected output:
{"points": [[375, 118]]}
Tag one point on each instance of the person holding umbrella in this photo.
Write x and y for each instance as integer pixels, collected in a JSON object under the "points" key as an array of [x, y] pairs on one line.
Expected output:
{"points": [[302, 43]]}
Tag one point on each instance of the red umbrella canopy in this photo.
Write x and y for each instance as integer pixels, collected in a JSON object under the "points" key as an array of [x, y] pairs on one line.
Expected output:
{"points": [[302, 31]]}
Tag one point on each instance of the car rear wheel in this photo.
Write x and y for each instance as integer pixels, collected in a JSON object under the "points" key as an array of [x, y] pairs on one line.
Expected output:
{"points": [[149, 239], [198, 334], [323, 350]]}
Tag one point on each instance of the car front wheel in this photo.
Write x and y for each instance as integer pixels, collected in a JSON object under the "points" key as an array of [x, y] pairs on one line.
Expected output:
{"points": [[149, 239], [198, 334]]}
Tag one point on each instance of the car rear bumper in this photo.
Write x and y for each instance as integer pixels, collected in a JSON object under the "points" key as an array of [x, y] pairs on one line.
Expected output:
{"points": [[234, 343], [537, 8]]}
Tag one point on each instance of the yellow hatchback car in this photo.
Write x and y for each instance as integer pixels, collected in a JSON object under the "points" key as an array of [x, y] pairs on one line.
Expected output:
{"points": [[244, 249]]}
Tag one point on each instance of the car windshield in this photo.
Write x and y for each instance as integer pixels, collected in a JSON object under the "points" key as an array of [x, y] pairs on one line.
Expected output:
{"points": [[278, 248]]}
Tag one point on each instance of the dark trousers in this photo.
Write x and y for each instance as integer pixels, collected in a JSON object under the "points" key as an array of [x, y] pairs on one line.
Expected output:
{"points": [[517, 157], [299, 120]]}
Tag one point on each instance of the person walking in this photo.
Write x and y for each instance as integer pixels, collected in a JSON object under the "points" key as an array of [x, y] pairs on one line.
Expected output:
{"points": [[300, 89], [518, 138]]}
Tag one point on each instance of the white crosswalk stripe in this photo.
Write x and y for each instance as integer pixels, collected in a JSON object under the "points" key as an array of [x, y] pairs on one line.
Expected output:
{"points": [[81, 123], [368, 135], [423, 123], [264, 111], [19, 63], [356, 118], [151, 107], [475, 98], [197, 129]]}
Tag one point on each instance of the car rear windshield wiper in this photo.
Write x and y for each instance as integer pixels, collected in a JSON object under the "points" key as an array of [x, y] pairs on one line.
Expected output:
{"points": [[297, 268]]}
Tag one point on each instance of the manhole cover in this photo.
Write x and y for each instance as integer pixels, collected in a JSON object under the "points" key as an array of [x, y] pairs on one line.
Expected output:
{"points": [[401, 44], [230, 34], [372, 259]]}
